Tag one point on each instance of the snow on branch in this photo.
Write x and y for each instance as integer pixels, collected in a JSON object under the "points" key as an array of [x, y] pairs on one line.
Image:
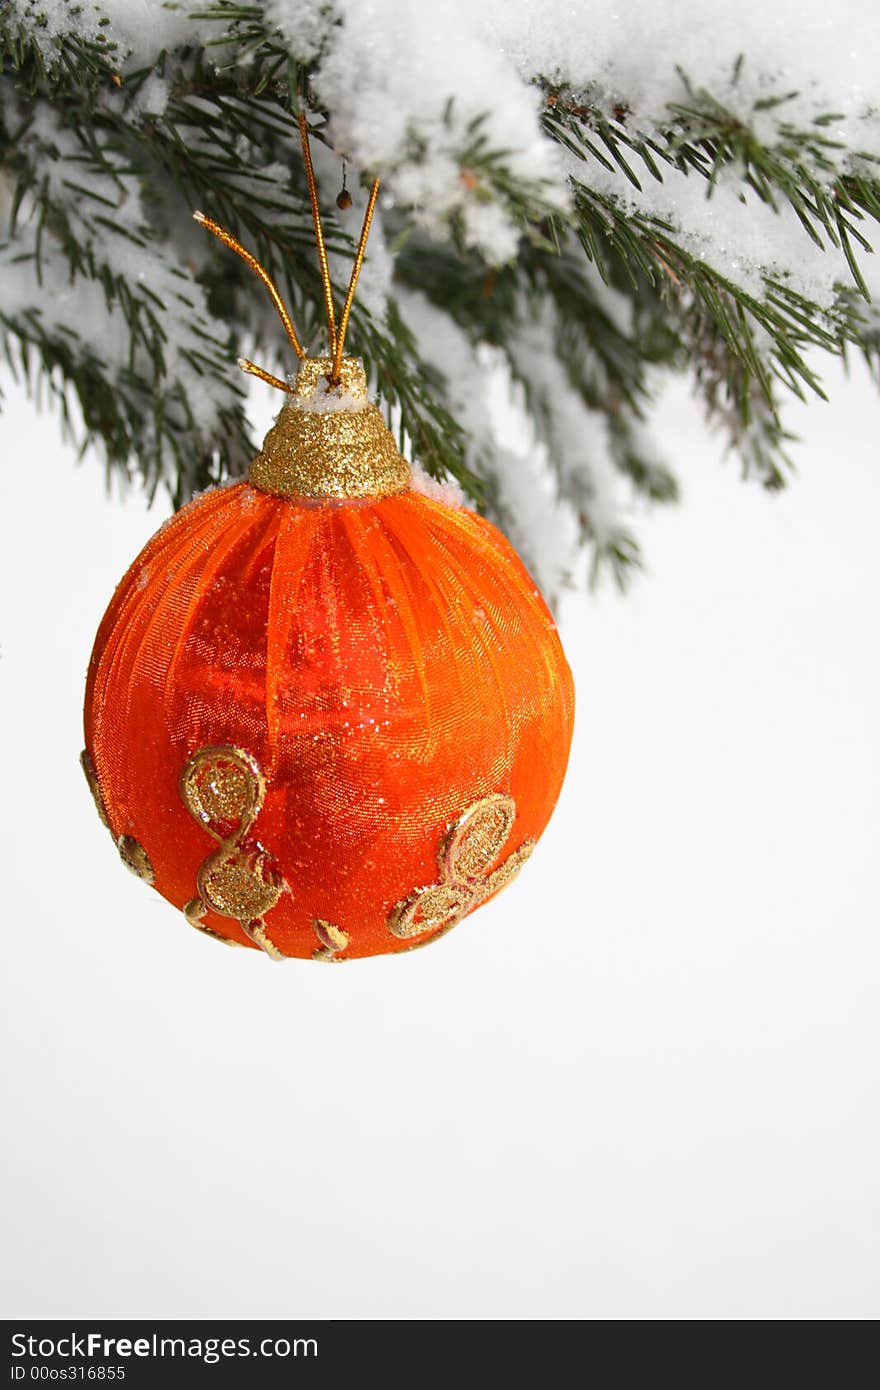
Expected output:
{"points": [[579, 194]]}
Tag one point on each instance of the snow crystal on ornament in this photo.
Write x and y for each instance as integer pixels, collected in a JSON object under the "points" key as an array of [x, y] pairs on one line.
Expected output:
{"points": [[449, 491]]}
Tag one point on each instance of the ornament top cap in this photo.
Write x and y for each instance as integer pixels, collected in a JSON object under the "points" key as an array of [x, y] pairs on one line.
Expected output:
{"points": [[313, 380], [330, 441]]}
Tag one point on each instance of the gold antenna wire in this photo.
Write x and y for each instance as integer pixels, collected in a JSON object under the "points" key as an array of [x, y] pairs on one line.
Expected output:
{"points": [[229, 240], [337, 337], [253, 370], [319, 230], [352, 285]]}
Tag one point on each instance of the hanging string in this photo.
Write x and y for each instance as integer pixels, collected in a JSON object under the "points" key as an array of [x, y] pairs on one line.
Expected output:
{"points": [[343, 197]]}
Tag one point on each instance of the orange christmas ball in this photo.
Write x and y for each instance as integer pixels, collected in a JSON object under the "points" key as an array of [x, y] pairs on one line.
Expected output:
{"points": [[326, 715]]}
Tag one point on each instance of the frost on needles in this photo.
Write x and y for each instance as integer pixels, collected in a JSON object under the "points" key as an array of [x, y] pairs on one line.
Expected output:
{"points": [[575, 199]]}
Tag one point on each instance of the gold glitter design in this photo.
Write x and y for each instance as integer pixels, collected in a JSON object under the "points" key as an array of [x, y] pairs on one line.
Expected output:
{"points": [[223, 789], [428, 908], [335, 453], [467, 852], [316, 371], [223, 785], [135, 858], [91, 777], [131, 851], [479, 836], [234, 886], [194, 911], [332, 938], [258, 934]]}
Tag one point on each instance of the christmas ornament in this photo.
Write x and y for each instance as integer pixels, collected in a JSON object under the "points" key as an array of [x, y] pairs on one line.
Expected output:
{"points": [[326, 715]]}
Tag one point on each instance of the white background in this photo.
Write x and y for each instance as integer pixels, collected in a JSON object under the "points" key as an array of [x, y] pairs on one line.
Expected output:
{"points": [[642, 1083]]}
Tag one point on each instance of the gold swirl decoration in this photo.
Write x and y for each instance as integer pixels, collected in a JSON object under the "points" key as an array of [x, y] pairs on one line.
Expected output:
{"points": [[223, 789], [467, 852], [332, 938], [131, 851]]}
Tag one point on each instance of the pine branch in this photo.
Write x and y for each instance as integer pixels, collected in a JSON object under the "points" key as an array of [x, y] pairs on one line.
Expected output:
{"points": [[589, 285], [192, 155]]}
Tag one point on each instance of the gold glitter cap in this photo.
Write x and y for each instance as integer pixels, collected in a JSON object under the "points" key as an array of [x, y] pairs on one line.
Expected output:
{"points": [[330, 441]]}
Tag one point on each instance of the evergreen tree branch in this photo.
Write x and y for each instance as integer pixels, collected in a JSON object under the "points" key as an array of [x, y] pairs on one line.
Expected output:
{"points": [[606, 287]]}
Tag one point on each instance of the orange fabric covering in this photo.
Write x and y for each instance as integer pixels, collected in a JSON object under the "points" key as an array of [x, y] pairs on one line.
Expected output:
{"points": [[387, 663]]}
